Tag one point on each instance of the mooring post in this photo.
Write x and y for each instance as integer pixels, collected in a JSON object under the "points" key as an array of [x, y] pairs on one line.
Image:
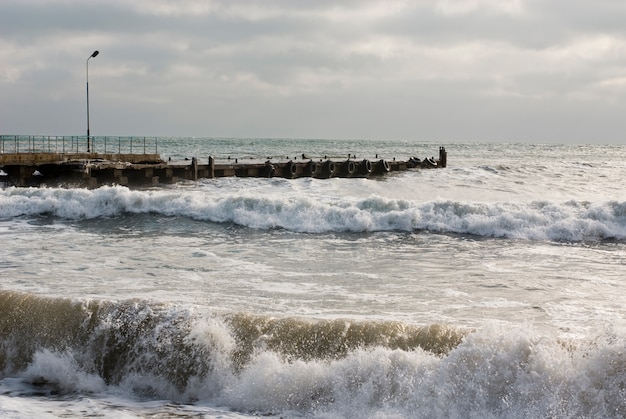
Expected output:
{"points": [[443, 157], [194, 168], [211, 174]]}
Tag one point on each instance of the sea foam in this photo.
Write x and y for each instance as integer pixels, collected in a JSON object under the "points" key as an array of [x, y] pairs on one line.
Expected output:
{"points": [[534, 220], [307, 367]]}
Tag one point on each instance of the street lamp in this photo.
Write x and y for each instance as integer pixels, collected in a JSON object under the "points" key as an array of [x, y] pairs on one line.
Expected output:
{"points": [[95, 53]]}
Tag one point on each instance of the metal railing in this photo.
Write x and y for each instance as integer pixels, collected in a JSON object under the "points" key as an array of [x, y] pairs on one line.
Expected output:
{"points": [[77, 144]]}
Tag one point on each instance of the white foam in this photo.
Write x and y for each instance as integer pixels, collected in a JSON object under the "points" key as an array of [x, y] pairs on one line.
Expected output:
{"points": [[535, 220], [498, 372]]}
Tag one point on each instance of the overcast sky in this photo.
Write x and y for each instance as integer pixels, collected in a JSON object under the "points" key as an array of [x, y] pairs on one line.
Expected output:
{"points": [[440, 70]]}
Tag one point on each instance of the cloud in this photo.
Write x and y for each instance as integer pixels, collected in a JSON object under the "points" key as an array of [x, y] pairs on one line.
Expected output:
{"points": [[463, 7], [359, 68]]}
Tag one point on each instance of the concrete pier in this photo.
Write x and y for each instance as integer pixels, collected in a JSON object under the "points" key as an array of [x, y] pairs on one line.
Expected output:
{"points": [[94, 170]]}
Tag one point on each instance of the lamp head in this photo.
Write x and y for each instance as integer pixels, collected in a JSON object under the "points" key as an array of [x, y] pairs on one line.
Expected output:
{"points": [[95, 53]]}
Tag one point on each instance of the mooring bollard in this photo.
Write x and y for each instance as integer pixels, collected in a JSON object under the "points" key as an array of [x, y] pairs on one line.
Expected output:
{"points": [[211, 173], [194, 168], [312, 168]]}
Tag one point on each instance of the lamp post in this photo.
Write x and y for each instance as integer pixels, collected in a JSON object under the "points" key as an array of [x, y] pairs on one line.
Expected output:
{"points": [[95, 53]]}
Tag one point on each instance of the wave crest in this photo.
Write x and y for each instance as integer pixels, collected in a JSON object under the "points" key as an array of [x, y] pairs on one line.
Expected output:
{"points": [[537, 220], [306, 367], [118, 340]]}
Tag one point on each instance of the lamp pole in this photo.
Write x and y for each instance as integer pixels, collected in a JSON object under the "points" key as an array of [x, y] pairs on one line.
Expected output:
{"points": [[94, 54]]}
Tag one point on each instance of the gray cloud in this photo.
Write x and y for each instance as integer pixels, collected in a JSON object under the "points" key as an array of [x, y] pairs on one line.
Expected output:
{"points": [[519, 70]]}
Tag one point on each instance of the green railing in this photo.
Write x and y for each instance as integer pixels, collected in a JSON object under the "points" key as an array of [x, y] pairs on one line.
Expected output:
{"points": [[78, 144]]}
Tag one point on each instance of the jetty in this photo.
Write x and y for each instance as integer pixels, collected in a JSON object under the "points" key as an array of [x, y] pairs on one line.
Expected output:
{"points": [[59, 161]]}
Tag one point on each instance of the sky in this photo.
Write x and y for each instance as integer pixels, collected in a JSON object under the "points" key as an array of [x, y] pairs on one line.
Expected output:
{"points": [[550, 71]]}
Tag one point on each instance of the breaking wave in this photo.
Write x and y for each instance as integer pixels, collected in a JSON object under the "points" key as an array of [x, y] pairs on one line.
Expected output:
{"points": [[305, 367], [537, 220]]}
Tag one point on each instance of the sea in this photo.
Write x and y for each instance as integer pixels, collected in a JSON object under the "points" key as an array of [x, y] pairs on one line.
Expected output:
{"points": [[492, 288]]}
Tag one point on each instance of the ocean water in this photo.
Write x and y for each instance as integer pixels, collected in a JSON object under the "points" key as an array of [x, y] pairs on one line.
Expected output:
{"points": [[494, 288]]}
